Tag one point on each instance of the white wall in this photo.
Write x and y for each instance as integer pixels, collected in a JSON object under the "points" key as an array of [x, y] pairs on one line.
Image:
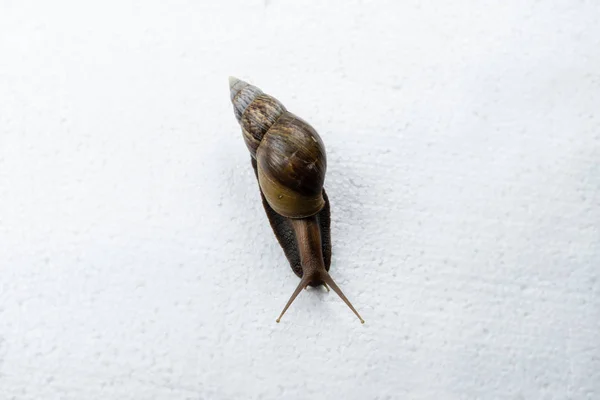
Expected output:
{"points": [[464, 173]]}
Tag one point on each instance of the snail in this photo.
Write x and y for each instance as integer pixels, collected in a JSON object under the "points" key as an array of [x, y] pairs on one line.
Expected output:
{"points": [[288, 158]]}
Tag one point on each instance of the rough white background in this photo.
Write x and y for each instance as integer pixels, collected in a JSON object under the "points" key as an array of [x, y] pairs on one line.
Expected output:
{"points": [[464, 173]]}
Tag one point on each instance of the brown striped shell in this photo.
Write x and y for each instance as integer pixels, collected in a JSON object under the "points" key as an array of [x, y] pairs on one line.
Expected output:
{"points": [[290, 154]]}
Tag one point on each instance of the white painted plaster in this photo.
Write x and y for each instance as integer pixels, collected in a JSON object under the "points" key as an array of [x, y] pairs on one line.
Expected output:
{"points": [[464, 174]]}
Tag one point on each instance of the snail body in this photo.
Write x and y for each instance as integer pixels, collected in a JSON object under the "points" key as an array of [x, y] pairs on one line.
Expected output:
{"points": [[289, 161]]}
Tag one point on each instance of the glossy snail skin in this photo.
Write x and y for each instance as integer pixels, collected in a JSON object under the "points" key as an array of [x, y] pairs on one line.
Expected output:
{"points": [[289, 161]]}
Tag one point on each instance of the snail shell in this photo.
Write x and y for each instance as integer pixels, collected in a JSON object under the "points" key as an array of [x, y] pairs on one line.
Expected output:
{"points": [[291, 157]]}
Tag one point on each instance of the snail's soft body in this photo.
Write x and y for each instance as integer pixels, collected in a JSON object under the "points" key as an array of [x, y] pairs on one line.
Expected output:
{"points": [[289, 161]]}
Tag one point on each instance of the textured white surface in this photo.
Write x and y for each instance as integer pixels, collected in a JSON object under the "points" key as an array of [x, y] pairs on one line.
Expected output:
{"points": [[464, 174]]}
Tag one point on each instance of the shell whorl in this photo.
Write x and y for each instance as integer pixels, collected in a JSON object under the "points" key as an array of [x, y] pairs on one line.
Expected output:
{"points": [[254, 110], [291, 160]]}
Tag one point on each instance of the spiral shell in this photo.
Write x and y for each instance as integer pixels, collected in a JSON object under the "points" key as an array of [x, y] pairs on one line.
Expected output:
{"points": [[290, 154]]}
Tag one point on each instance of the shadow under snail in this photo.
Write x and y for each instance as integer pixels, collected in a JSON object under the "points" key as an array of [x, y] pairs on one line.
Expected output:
{"points": [[288, 157]]}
